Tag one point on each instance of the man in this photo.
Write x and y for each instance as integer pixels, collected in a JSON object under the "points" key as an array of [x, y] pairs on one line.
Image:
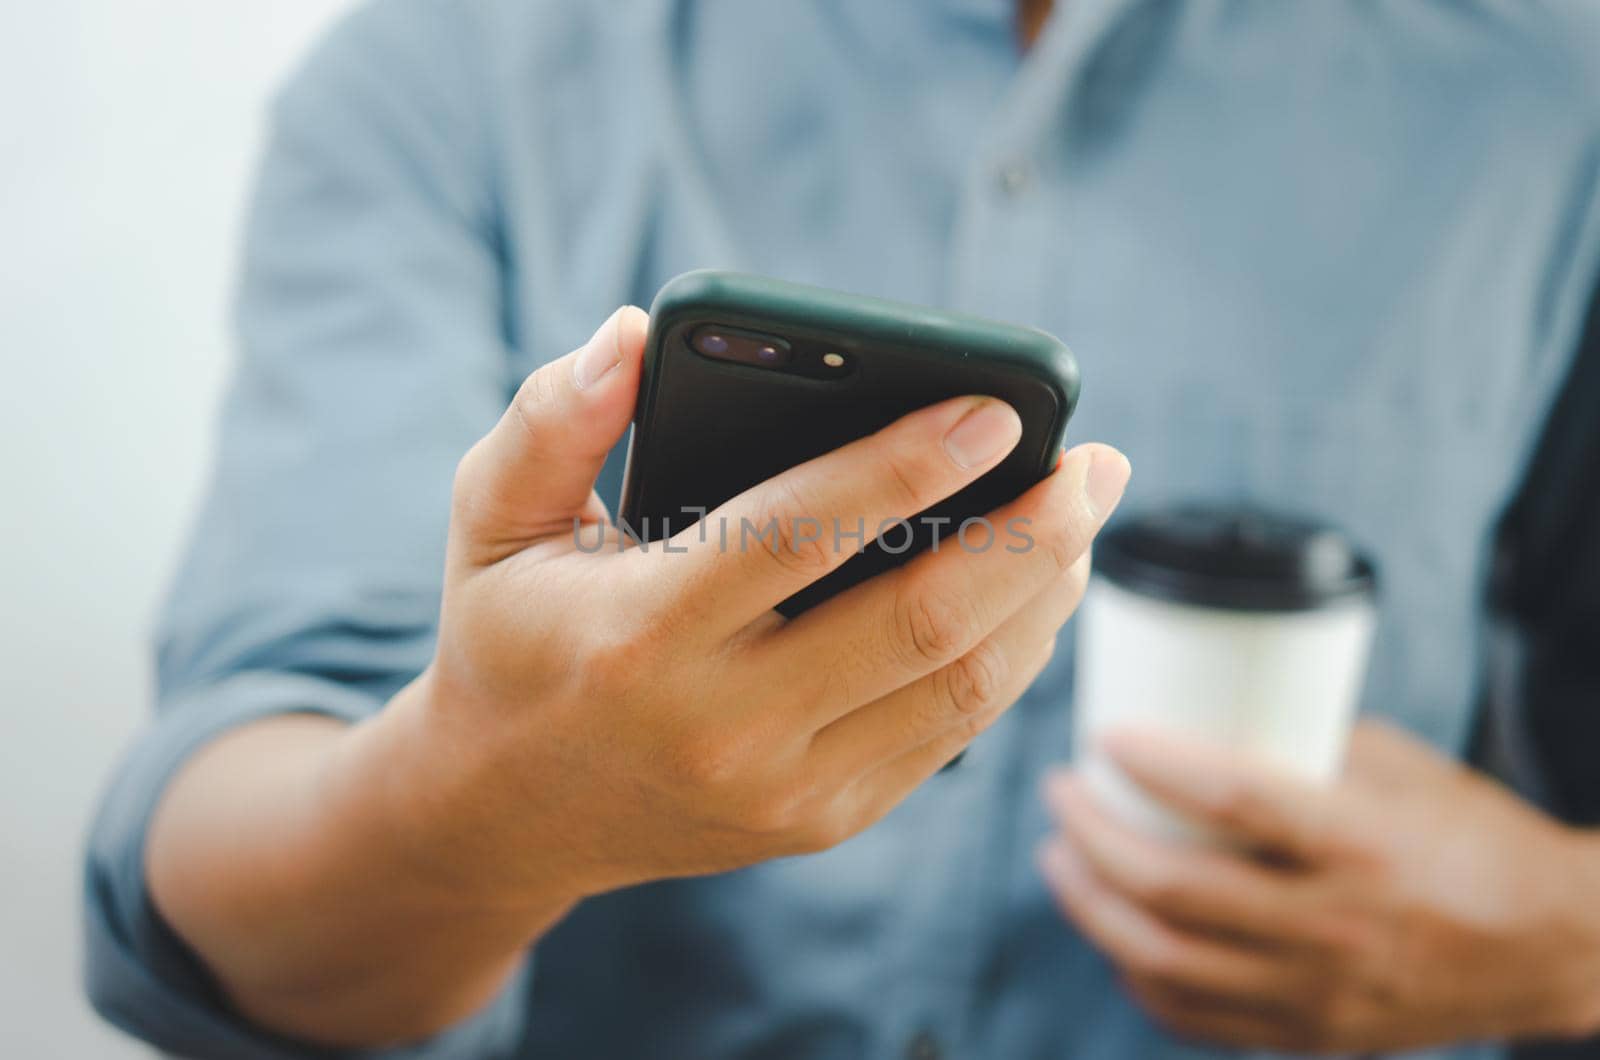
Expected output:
{"points": [[1328, 257]]}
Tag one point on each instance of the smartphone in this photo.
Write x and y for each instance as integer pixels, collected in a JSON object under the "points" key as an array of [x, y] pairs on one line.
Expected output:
{"points": [[745, 376]]}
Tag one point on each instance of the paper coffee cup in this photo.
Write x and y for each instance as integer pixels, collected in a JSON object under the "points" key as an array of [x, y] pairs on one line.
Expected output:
{"points": [[1245, 628]]}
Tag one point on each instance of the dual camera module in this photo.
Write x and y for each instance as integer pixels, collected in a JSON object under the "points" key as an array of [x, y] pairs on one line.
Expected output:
{"points": [[768, 351]]}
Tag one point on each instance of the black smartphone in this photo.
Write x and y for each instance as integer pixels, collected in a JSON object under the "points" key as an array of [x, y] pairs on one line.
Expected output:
{"points": [[745, 377]]}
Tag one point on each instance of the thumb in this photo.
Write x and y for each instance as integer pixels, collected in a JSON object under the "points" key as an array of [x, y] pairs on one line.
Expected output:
{"points": [[535, 471]]}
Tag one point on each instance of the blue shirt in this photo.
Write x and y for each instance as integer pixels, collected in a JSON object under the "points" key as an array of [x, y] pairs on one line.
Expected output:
{"points": [[1331, 257]]}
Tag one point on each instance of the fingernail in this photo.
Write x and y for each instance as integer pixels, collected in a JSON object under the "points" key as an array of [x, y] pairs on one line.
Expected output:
{"points": [[598, 356], [1106, 479], [986, 433]]}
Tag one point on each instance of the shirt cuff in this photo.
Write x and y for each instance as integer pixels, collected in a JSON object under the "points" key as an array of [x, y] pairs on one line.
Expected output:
{"points": [[139, 974]]}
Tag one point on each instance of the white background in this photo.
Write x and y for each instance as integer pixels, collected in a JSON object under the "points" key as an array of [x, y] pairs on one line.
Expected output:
{"points": [[127, 135]]}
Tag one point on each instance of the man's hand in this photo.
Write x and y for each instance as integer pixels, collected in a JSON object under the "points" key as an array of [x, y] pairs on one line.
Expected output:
{"points": [[602, 717], [1415, 903], [595, 719]]}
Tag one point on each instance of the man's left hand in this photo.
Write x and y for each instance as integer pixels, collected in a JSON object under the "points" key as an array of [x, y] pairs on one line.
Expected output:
{"points": [[1413, 903]]}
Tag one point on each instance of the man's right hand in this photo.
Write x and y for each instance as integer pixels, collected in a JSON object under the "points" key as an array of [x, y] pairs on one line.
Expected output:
{"points": [[592, 720], [599, 718]]}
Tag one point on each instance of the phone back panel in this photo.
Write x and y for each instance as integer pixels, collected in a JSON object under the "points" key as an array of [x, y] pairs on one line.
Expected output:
{"points": [[706, 430]]}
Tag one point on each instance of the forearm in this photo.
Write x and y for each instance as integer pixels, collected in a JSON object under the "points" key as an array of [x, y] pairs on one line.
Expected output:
{"points": [[294, 856]]}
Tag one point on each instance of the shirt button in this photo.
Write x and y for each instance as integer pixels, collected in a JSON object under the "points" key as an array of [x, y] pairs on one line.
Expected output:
{"points": [[923, 1046], [1013, 179]]}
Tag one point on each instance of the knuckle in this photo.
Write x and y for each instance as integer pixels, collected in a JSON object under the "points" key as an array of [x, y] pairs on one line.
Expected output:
{"points": [[1161, 885], [973, 683], [795, 539], [1151, 996], [1067, 525], [933, 626], [902, 480], [608, 671], [824, 831], [1352, 946], [783, 811], [1061, 546], [537, 394], [1076, 579], [959, 737], [1046, 654], [767, 817], [970, 728], [1330, 937], [615, 666], [715, 764], [800, 550], [1170, 1015], [468, 475], [1158, 959], [1234, 806]]}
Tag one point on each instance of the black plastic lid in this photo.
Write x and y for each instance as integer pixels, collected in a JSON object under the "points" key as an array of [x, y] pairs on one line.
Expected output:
{"points": [[1233, 558]]}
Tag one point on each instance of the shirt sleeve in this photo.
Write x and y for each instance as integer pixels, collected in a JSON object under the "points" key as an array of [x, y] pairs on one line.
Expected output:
{"points": [[372, 352]]}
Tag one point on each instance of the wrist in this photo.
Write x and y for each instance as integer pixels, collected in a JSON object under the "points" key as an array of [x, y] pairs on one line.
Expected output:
{"points": [[435, 809]]}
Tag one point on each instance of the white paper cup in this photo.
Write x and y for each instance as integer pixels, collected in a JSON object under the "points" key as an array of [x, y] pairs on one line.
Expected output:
{"points": [[1243, 628]]}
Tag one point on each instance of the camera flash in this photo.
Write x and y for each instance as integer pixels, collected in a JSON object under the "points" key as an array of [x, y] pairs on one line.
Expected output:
{"points": [[833, 360]]}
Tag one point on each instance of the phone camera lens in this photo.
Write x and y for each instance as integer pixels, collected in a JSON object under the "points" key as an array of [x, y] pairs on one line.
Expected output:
{"points": [[711, 343], [741, 347]]}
